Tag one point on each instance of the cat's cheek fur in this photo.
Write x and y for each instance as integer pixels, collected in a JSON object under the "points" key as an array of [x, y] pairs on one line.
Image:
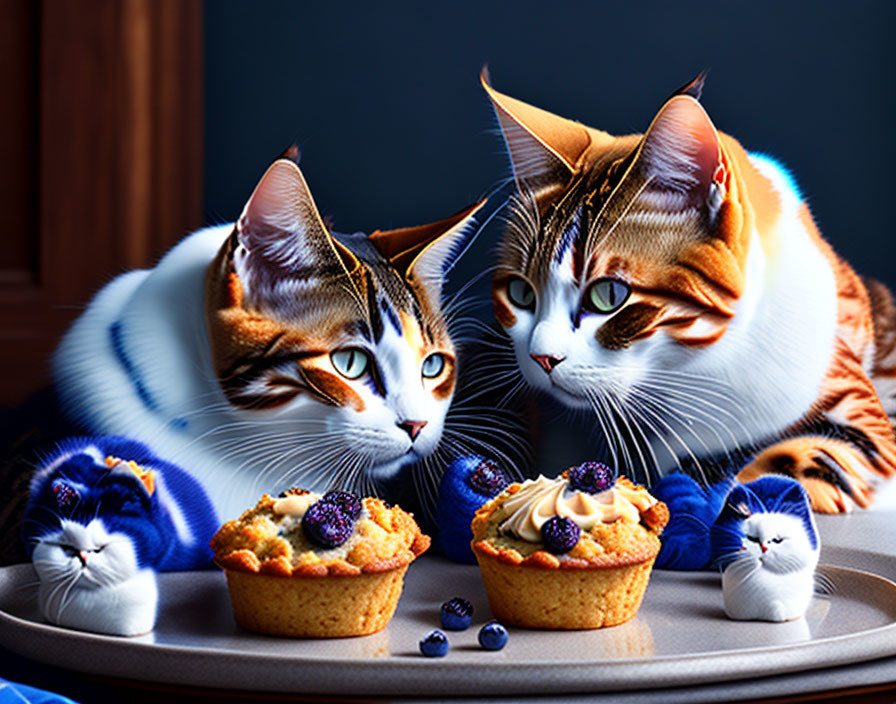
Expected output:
{"points": [[763, 595]]}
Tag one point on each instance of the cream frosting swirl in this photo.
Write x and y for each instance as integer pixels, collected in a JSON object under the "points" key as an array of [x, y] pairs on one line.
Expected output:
{"points": [[540, 499]]}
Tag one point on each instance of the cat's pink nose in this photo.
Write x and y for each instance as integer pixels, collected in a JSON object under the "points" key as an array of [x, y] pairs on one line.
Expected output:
{"points": [[412, 427], [547, 361], [82, 555], [764, 548]]}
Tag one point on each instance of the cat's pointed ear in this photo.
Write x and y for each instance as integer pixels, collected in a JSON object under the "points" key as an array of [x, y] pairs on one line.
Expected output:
{"points": [[693, 88], [282, 229], [680, 156], [544, 149], [426, 253], [740, 503]]}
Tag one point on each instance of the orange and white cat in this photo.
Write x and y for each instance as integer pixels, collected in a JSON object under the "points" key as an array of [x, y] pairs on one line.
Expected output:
{"points": [[677, 286], [271, 352]]}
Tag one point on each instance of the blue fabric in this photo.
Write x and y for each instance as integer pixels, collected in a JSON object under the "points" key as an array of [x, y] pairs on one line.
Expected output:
{"points": [[692, 511], [458, 501], [14, 693]]}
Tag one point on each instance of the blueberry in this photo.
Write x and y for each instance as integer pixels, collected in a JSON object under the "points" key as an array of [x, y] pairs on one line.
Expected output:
{"points": [[435, 645], [487, 478], [591, 477], [560, 534], [66, 495], [348, 502], [326, 525], [493, 636], [456, 614]]}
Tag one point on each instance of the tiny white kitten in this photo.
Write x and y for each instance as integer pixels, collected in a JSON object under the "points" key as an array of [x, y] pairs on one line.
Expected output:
{"points": [[90, 580], [766, 543]]}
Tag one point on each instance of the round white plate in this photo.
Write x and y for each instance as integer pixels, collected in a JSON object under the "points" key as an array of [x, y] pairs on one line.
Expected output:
{"points": [[680, 637]]}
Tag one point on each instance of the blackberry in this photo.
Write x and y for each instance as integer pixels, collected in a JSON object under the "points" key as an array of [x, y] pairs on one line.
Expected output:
{"points": [[493, 636], [591, 477], [435, 645], [348, 502], [326, 525], [487, 478], [456, 614], [560, 534]]}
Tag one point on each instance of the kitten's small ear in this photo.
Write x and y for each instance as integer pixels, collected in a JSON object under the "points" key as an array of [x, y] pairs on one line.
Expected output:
{"points": [[681, 155], [740, 503], [544, 149], [426, 253], [281, 227]]}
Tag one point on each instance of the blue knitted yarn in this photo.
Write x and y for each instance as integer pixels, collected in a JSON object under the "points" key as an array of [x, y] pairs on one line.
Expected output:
{"points": [[692, 511], [458, 501]]}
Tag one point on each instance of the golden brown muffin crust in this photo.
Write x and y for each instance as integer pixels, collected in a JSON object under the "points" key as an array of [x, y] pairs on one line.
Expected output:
{"points": [[385, 538], [605, 545]]}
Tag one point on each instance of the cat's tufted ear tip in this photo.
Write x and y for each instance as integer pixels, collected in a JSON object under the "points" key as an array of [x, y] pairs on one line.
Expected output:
{"points": [[292, 153], [485, 77], [693, 88]]}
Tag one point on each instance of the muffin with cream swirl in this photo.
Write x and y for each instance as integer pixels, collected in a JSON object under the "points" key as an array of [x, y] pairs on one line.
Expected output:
{"points": [[303, 564], [573, 552]]}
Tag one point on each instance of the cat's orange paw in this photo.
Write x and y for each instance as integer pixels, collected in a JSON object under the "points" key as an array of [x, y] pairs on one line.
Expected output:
{"points": [[831, 471]]}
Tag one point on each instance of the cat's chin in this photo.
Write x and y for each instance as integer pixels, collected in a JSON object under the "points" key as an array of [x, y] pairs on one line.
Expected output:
{"points": [[390, 469], [567, 398]]}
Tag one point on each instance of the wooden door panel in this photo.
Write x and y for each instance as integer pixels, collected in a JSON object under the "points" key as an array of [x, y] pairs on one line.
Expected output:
{"points": [[102, 150]]}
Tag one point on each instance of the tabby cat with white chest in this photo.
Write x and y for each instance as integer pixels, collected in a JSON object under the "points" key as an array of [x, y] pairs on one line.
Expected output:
{"points": [[676, 286], [273, 352]]}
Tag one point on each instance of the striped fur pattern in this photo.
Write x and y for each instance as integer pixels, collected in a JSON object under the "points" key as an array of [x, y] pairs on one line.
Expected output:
{"points": [[678, 288], [272, 352]]}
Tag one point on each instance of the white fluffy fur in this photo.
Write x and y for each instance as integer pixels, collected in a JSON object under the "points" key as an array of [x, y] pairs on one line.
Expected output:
{"points": [[761, 376], [236, 454], [774, 578], [89, 580]]}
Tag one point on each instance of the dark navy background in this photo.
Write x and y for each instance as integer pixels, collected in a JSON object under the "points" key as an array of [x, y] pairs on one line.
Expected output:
{"points": [[384, 99]]}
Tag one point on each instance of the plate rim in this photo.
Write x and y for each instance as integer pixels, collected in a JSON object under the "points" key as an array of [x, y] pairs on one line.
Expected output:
{"points": [[31, 639]]}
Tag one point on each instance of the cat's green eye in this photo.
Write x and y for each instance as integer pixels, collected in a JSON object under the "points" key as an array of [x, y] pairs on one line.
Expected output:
{"points": [[607, 295], [433, 365], [350, 362], [521, 293]]}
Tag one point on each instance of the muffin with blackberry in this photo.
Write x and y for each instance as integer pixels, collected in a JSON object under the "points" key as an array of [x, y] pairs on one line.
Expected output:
{"points": [[573, 552], [308, 565]]}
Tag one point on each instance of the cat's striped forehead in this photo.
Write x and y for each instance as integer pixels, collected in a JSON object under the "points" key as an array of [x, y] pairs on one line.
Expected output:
{"points": [[285, 294], [268, 355], [663, 213], [390, 299]]}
